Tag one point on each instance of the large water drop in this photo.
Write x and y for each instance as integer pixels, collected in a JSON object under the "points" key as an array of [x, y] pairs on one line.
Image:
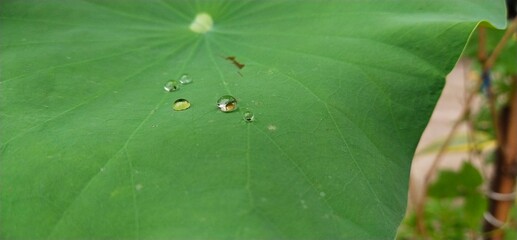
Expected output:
{"points": [[227, 103]]}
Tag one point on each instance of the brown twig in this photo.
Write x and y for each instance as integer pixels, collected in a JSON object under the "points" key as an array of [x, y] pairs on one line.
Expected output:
{"points": [[420, 208], [500, 46]]}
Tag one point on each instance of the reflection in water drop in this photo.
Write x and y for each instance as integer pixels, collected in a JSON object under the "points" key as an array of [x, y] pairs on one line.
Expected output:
{"points": [[248, 116], [227, 103], [171, 86], [185, 79], [181, 104]]}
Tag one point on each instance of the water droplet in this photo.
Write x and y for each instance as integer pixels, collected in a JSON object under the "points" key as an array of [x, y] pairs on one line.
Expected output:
{"points": [[185, 79], [323, 194], [181, 104], [139, 187], [171, 86], [248, 116], [227, 103]]}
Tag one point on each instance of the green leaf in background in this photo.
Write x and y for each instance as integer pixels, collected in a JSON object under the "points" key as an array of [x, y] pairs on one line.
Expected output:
{"points": [[474, 206], [452, 184], [340, 91], [457, 191]]}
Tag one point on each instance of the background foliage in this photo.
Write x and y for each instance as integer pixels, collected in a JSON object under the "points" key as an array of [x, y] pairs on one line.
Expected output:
{"points": [[457, 199]]}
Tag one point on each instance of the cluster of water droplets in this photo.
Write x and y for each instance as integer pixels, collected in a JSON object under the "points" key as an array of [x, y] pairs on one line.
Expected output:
{"points": [[226, 103], [174, 85]]}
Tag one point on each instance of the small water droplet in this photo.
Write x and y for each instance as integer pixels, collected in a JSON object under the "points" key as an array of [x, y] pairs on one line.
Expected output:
{"points": [[181, 104], [139, 187], [185, 79], [227, 103], [323, 194], [271, 127], [248, 116], [171, 86]]}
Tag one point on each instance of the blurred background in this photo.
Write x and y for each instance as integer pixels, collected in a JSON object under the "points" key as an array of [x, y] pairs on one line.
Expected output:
{"points": [[463, 175]]}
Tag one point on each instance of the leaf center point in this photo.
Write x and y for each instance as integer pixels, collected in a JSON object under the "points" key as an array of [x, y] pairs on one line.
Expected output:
{"points": [[202, 23]]}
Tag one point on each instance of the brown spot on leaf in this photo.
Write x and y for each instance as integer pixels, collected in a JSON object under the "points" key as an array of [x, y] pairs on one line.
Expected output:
{"points": [[235, 62]]}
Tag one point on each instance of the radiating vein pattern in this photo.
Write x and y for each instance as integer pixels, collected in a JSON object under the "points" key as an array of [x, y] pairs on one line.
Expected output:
{"points": [[91, 146]]}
